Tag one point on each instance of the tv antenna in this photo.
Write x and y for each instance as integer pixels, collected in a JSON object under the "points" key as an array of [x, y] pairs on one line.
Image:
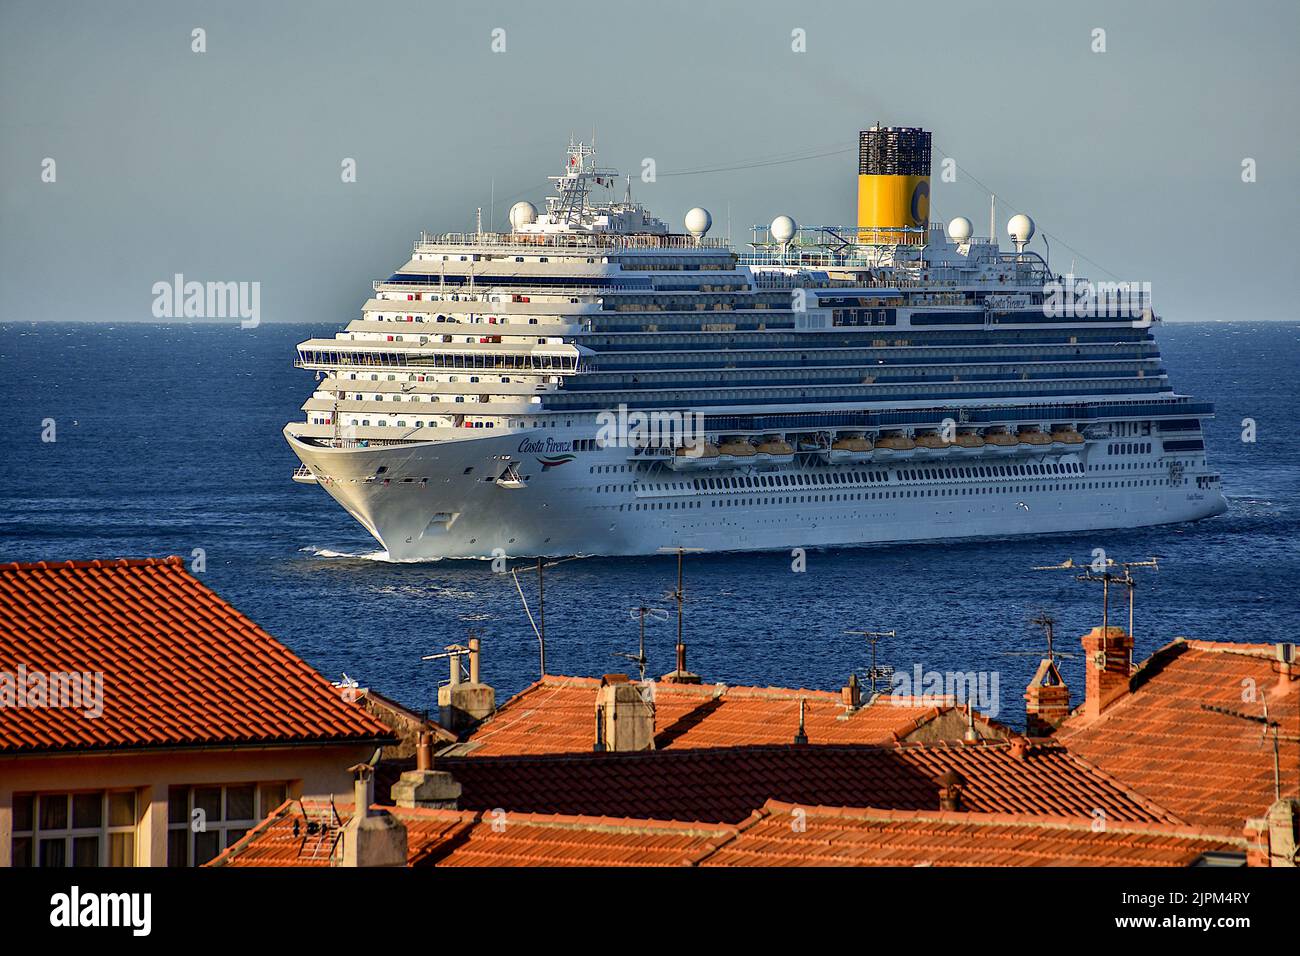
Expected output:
{"points": [[1269, 724], [678, 594], [642, 612], [1048, 624], [538, 625], [1104, 570], [881, 672]]}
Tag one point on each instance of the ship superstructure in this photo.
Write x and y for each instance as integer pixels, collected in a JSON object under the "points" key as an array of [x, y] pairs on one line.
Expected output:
{"points": [[593, 383]]}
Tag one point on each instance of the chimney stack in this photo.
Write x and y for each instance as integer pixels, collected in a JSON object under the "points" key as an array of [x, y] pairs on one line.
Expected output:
{"points": [[371, 837], [1275, 838], [851, 693], [1109, 662], [625, 719], [951, 785], [424, 786], [461, 705], [681, 675], [1047, 700]]}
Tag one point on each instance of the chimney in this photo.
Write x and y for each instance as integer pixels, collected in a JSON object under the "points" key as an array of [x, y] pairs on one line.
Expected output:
{"points": [[1019, 748], [1275, 838], [461, 705], [851, 693], [625, 719], [1109, 663], [1047, 700], [951, 785], [801, 735], [371, 837], [681, 675], [1287, 667], [424, 786]]}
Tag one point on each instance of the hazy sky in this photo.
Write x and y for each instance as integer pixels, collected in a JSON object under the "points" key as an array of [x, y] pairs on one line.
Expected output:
{"points": [[226, 165]]}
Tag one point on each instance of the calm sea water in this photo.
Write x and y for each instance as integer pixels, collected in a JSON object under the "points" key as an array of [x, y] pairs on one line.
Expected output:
{"points": [[168, 440]]}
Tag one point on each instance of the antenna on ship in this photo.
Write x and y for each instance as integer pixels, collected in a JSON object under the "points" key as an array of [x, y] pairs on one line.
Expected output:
{"points": [[876, 672]]}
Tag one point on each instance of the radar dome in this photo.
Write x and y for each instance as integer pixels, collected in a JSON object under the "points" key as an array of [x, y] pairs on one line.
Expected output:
{"points": [[698, 222], [959, 229], [783, 229], [1020, 228], [522, 214]]}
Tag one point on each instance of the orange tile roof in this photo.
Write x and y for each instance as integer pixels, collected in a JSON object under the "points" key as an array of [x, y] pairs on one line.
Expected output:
{"points": [[824, 836], [727, 784], [180, 666], [465, 838], [786, 834], [1207, 766], [555, 715]]}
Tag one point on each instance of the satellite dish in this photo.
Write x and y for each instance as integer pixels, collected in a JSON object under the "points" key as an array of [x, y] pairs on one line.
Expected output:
{"points": [[698, 222], [783, 229], [522, 214], [959, 230], [1021, 229]]}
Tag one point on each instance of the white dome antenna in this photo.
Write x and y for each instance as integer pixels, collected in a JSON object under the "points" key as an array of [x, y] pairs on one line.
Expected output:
{"points": [[959, 230], [1021, 229], [783, 229], [522, 214], [698, 222]]}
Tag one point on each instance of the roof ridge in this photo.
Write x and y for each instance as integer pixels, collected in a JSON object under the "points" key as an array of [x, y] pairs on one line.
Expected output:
{"points": [[69, 565]]}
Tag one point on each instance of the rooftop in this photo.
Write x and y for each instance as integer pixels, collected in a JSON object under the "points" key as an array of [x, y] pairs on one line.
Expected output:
{"points": [[1189, 732], [727, 784], [554, 715], [819, 836], [180, 666]]}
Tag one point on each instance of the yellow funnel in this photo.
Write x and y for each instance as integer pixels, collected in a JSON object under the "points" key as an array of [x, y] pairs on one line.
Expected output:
{"points": [[893, 185]]}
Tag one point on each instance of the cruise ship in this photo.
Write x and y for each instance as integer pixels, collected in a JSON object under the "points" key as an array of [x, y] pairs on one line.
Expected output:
{"points": [[594, 382]]}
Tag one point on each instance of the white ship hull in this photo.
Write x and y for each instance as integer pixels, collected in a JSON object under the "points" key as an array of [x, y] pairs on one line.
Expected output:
{"points": [[442, 500]]}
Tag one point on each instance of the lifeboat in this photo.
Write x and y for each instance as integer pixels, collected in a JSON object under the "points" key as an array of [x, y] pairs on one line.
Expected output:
{"points": [[967, 443], [895, 447], [694, 457], [932, 445], [1033, 437], [735, 450], [1066, 436], [850, 450], [1001, 441], [774, 449]]}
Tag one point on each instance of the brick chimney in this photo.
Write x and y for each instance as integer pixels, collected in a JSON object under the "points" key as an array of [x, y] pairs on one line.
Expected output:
{"points": [[681, 675], [1109, 663], [951, 785], [461, 705], [1275, 838], [424, 786], [625, 716], [372, 837], [1047, 700], [851, 693]]}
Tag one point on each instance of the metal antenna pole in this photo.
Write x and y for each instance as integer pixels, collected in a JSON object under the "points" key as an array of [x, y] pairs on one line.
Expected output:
{"points": [[541, 609]]}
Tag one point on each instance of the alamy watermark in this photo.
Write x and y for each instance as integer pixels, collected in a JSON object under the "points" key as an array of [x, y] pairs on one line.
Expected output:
{"points": [[38, 690], [623, 429], [208, 300], [1069, 297], [941, 688]]}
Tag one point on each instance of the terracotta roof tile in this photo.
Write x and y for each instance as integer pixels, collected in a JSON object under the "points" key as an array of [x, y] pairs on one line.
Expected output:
{"points": [[727, 784], [786, 834], [180, 666], [823, 836], [1205, 765], [555, 715]]}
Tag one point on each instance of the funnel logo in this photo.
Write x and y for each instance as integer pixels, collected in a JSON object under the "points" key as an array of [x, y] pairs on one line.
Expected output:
{"points": [[921, 203], [555, 461]]}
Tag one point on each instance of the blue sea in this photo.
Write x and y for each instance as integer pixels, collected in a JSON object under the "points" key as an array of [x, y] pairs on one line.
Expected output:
{"points": [[168, 440]]}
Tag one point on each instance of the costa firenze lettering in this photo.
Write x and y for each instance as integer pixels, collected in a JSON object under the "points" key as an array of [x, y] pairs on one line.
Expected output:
{"points": [[549, 446]]}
